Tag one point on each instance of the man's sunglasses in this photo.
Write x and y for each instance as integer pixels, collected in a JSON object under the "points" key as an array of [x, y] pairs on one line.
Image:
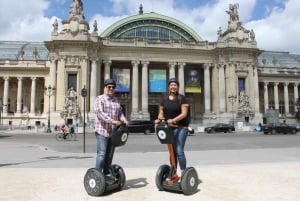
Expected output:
{"points": [[111, 87]]}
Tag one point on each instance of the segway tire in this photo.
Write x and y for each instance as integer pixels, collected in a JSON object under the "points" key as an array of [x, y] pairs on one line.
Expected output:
{"points": [[161, 175], [94, 182], [189, 181], [120, 175]]}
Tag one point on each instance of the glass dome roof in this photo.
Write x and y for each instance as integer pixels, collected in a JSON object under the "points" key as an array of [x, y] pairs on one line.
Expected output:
{"points": [[13, 50]]}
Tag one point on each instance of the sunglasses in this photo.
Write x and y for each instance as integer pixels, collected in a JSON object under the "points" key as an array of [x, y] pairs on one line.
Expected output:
{"points": [[111, 87]]}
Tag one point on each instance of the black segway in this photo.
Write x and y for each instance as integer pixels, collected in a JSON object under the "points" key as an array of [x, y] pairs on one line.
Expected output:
{"points": [[95, 182], [166, 175]]}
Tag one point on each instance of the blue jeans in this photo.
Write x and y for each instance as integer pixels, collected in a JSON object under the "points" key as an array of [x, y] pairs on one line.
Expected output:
{"points": [[180, 135], [103, 145]]}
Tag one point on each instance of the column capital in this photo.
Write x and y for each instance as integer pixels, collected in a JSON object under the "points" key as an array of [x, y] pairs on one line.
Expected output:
{"points": [[172, 63], [296, 84], [286, 84], [135, 62], [266, 83], [33, 78], [20, 78], [276, 84], [145, 63], [107, 61], [6, 78], [207, 65], [181, 64]]}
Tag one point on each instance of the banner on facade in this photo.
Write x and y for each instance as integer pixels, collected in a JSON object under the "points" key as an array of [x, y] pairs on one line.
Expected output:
{"points": [[122, 78], [157, 80], [192, 81]]}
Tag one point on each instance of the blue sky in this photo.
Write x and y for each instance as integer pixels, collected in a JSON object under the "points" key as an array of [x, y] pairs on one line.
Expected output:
{"points": [[275, 22]]}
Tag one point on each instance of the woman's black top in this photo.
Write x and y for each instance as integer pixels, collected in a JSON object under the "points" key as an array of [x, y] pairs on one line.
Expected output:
{"points": [[172, 108]]}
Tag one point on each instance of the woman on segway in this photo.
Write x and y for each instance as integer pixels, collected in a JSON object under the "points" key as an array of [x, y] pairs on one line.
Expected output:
{"points": [[174, 111], [109, 114]]}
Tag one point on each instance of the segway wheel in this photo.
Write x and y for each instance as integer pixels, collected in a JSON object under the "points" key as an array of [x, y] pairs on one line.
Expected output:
{"points": [[120, 175], [161, 175], [94, 182], [189, 181]]}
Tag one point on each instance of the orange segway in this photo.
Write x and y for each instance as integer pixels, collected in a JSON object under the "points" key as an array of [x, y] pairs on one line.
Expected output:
{"points": [[166, 175]]}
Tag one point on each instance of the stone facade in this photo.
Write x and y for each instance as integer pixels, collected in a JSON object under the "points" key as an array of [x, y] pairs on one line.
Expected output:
{"points": [[77, 57]]}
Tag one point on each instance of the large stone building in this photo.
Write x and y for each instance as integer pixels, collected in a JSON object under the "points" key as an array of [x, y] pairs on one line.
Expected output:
{"points": [[223, 80]]}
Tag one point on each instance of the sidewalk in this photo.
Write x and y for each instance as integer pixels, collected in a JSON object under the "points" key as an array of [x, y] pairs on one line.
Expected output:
{"points": [[261, 182]]}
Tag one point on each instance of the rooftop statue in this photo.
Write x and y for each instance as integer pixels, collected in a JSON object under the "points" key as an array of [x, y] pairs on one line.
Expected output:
{"points": [[233, 12], [76, 8]]}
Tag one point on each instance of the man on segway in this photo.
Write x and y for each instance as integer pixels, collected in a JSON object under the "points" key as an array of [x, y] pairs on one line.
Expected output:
{"points": [[111, 131], [109, 114]]}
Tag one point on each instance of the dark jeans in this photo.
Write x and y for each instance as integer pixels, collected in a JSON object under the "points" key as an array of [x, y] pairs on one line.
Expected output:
{"points": [[180, 135], [103, 145]]}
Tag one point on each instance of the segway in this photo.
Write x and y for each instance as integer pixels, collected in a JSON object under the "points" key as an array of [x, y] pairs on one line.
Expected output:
{"points": [[95, 182], [166, 175]]}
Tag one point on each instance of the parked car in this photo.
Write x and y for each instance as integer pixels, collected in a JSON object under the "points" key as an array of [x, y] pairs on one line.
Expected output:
{"points": [[280, 128], [220, 127], [141, 126], [298, 127]]}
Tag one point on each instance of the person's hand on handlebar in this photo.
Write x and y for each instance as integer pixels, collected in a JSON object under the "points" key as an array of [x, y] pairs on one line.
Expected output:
{"points": [[156, 121]]}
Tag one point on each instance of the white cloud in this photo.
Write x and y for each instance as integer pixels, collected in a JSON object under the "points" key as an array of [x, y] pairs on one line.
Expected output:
{"points": [[24, 20], [280, 30]]}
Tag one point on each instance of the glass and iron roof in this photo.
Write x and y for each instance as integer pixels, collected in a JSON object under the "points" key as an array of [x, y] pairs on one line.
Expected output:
{"points": [[278, 59], [151, 26], [15, 50]]}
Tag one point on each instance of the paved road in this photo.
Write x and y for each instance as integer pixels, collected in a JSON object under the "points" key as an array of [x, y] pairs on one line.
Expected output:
{"points": [[238, 166]]}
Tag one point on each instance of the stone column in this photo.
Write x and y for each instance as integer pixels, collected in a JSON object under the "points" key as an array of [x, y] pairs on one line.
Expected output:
{"points": [[5, 94], [181, 77], [107, 64], [53, 69], [172, 69], [255, 89], [19, 95], [33, 94], [276, 98], [296, 95], [266, 96], [222, 88], [59, 94], [93, 85], [231, 88], [286, 98], [135, 91], [146, 114], [207, 98], [215, 89]]}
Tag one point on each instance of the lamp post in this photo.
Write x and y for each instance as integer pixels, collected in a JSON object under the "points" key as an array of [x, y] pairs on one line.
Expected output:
{"points": [[83, 94], [232, 99], [1, 110], [49, 91]]}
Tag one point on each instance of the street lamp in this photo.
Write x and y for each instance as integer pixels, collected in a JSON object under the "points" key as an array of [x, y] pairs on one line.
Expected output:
{"points": [[49, 91], [232, 99], [1, 112], [84, 94]]}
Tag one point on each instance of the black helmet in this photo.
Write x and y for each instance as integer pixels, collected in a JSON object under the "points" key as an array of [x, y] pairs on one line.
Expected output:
{"points": [[173, 80], [109, 81]]}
